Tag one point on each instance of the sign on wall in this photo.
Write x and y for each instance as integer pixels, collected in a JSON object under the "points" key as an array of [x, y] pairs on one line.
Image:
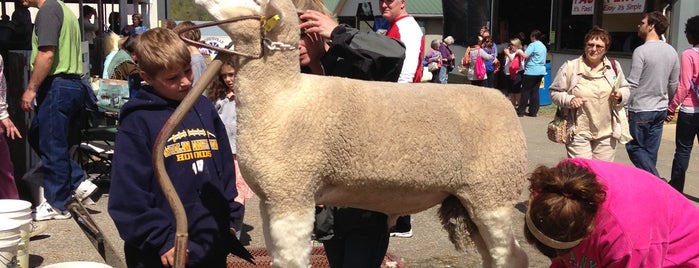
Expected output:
{"points": [[586, 7]]}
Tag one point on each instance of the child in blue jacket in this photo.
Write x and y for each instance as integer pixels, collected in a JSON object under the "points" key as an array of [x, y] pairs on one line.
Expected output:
{"points": [[197, 158]]}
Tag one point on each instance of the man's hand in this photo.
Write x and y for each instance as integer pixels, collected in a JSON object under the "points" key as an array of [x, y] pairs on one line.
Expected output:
{"points": [[9, 128], [670, 116], [316, 22], [42, 67], [28, 100]]}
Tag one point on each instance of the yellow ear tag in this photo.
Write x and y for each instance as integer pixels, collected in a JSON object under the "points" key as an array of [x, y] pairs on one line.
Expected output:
{"points": [[269, 23]]}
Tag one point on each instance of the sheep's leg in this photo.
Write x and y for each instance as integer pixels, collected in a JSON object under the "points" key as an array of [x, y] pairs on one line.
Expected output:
{"points": [[482, 249], [496, 232], [288, 233]]}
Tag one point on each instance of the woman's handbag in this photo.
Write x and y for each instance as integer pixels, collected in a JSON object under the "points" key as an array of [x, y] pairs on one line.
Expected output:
{"points": [[561, 128], [462, 69], [433, 66]]}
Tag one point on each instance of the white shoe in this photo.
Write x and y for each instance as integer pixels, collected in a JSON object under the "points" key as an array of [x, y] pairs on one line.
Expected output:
{"points": [[407, 234], [85, 190], [46, 211], [37, 228]]}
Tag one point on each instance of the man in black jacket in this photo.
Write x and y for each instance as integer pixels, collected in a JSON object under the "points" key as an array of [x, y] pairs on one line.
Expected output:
{"points": [[351, 237]]}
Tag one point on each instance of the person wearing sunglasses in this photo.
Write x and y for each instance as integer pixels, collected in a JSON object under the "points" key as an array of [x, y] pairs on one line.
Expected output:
{"points": [[591, 90]]}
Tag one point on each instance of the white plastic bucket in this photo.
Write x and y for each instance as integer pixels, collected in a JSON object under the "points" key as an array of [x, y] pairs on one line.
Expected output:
{"points": [[20, 212], [8, 251], [14, 205], [9, 228], [16, 210], [78, 264]]}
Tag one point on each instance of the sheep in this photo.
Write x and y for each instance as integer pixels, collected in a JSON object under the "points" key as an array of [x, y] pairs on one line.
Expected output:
{"points": [[395, 148]]}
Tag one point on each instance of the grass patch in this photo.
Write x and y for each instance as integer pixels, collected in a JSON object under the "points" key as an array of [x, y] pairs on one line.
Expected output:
{"points": [[547, 111]]}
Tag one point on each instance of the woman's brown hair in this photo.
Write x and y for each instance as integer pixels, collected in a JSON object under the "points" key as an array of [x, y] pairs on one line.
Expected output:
{"points": [[601, 34], [562, 205]]}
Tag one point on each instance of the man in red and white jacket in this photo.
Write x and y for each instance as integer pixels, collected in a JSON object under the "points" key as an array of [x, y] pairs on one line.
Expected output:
{"points": [[405, 28]]}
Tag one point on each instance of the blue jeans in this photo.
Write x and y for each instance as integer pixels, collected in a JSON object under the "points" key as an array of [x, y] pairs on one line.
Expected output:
{"points": [[443, 75], [490, 80], [60, 102], [646, 129], [687, 130]]}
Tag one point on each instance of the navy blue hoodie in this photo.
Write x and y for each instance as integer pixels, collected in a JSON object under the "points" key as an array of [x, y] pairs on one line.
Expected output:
{"points": [[199, 162]]}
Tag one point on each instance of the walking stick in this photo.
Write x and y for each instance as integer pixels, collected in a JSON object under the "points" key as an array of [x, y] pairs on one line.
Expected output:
{"points": [[159, 162]]}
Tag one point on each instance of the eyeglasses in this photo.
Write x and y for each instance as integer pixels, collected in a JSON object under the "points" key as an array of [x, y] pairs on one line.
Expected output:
{"points": [[594, 46]]}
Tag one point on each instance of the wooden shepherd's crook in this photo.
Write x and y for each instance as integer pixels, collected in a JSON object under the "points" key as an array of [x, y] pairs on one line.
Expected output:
{"points": [[159, 163]]}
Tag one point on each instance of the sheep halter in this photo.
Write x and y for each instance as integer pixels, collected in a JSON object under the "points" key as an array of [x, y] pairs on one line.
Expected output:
{"points": [[266, 25], [544, 239]]}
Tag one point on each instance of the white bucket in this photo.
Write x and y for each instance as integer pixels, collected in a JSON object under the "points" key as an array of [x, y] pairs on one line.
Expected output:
{"points": [[8, 252], [78, 264], [9, 228], [14, 205], [20, 212], [16, 210]]}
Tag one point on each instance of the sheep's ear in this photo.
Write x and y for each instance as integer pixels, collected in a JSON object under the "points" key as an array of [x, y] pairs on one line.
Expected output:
{"points": [[272, 9], [226, 9]]}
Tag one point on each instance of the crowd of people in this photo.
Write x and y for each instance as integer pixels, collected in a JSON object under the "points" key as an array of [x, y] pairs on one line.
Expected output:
{"points": [[578, 210]]}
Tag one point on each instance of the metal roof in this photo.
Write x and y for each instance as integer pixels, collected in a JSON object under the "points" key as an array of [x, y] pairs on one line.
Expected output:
{"points": [[418, 8]]}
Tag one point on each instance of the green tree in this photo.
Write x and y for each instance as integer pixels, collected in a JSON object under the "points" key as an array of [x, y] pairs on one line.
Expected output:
{"points": [[182, 10]]}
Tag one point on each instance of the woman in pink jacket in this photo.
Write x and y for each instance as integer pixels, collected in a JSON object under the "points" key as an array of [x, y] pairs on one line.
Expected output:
{"points": [[591, 213], [686, 99]]}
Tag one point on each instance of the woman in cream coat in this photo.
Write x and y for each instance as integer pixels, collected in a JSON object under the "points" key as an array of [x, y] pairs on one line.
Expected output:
{"points": [[592, 90]]}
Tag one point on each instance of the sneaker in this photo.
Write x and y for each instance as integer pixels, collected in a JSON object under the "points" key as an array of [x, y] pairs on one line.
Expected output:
{"points": [[407, 234], [85, 190], [46, 211], [37, 228]]}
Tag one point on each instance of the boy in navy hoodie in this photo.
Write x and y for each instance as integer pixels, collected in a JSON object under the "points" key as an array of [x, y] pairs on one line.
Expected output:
{"points": [[197, 159]]}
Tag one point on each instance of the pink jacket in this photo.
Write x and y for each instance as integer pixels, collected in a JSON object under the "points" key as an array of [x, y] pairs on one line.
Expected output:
{"points": [[689, 71], [643, 223]]}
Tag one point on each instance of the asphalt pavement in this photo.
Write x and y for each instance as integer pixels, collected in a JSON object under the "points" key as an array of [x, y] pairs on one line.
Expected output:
{"points": [[64, 240]]}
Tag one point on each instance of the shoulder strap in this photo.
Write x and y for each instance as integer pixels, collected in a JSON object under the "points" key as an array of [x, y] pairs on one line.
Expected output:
{"points": [[613, 61], [692, 84], [569, 73]]}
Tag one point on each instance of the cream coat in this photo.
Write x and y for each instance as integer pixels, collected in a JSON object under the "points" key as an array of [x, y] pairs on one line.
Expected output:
{"points": [[561, 91]]}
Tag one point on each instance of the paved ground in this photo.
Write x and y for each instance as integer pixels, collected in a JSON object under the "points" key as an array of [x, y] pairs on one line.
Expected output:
{"points": [[429, 247]]}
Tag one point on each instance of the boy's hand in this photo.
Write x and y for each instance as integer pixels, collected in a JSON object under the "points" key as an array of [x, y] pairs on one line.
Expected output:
{"points": [[168, 259]]}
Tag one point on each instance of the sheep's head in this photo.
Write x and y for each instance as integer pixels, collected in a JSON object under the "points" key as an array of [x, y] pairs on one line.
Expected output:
{"points": [[226, 9], [278, 19]]}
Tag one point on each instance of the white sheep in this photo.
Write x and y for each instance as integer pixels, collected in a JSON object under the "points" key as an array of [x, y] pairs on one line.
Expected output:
{"points": [[395, 148]]}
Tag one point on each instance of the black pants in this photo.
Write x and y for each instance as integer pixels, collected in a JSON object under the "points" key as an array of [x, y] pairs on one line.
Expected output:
{"points": [[360, 240], [530, 94]]}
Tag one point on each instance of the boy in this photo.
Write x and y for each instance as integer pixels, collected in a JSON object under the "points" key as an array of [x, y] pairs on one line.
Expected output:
{"points": [[197, 159]]}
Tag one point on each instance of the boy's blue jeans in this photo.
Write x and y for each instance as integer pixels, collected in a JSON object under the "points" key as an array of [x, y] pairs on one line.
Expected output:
{"points": [[687, 130], [646, 129], [60, 102]]}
